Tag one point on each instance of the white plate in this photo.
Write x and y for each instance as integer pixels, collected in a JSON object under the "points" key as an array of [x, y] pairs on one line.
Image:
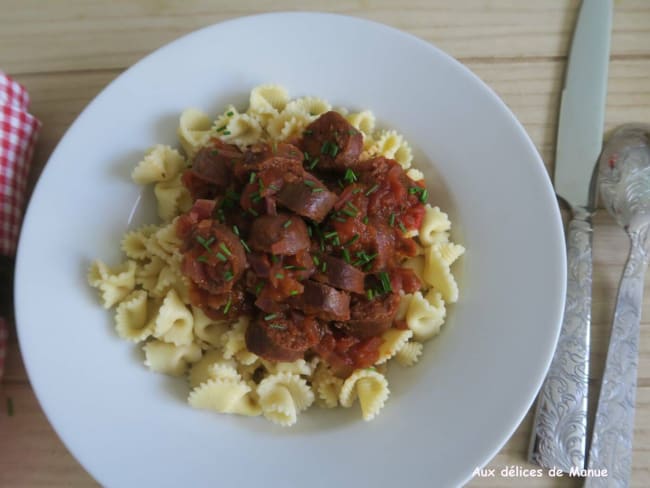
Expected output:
{"points": [[450, 413]]}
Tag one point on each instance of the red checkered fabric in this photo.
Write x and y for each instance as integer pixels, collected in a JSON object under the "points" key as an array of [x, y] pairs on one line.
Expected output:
{"points": [[18, 132]]}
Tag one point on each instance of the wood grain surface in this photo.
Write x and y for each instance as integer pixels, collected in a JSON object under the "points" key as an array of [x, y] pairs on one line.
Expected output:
{"points": [[66, 52]]}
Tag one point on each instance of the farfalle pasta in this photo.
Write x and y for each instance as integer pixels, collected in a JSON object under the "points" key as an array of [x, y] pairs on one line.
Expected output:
{"points": [[261, 325]]}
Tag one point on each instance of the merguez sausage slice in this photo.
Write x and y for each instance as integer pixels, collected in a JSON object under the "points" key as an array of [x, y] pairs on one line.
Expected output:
{"points": [[333, 141], [280, 234]]}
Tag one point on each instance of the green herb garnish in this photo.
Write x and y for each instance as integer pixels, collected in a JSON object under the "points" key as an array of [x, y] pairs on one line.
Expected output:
{"points": [[226, 309], [372, 189]]}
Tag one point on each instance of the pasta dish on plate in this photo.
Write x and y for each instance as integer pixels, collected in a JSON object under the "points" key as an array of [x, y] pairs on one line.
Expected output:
{"points": [[296, 257]]}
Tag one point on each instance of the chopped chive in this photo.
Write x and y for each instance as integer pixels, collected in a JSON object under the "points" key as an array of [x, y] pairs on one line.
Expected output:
{"points": [[372, 189], [293, 292], [228, 275], [279, 276], [270, 316], [226, 309], [356, 190], [349, 213], [226, 132], [243, 243], [310, 183], [385, 282], [10, 406], [370, 293], [309, 230], [324, 266], [340, 219], [273, 187], [214, 152], [253, 212], [350, 176], [221, 129], [352, 132], [252, 177], [317, 190], [205, 242], [325, 148], [352, 241], [235, 229], [287, 224], [413, 190], [313, 163], [424, 195], [391, 220], [305, 156], [225, 249], [365, 220], [221, 257], [258, 288], [346, 255], [278, 326], [256, 197], [316, 260], [402, 228], [202, 259], [275, 259], [308, 132], [331, 235], [275, 147], [230, 114], [334, 150], [352, 206]]}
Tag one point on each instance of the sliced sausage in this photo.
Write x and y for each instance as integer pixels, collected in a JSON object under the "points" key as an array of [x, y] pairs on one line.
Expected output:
{"points": [[215, 259], [280, 234], [308, 197], [214, 164], [277, 338], [371, 317], [332, 141], [280, 157], [323, 301], [339, 274]]}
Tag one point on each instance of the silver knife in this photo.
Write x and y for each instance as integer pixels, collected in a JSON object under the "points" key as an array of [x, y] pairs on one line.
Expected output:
{"points": [[560, 425]]}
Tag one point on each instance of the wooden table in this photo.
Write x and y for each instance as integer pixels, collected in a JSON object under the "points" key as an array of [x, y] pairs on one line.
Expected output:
{"points": [[65, 52]]}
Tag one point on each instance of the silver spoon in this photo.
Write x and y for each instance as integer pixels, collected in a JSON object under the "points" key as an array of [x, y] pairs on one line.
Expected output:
{"points": [[624, 184]]}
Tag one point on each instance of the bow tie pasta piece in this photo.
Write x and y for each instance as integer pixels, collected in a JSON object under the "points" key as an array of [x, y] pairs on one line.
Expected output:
{"points": [[435, 226], [148, 275], [211, 366], [225, 395], [392, 145], [134, 243], [160, 163], [267, 101], [133, 320], [166, 358], [174, 322], [326, 386], [287, 125], [165, 244], [234, 342], [364, 122], [194, 130], [438, 274], [394, 340], [299, 367], [282, 396], [241, 129], [370, 387], [310, 108], [208, 330], [113, 284], [425, 315], [409, 354], [172, 197]]}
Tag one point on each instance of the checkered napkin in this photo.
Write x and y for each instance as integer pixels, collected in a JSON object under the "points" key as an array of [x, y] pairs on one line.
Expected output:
{"points": [[18, 132]]}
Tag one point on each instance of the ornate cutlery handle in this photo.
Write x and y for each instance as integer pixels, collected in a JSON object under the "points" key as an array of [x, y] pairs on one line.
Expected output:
{"points": [[611, 444], [559, 428]]}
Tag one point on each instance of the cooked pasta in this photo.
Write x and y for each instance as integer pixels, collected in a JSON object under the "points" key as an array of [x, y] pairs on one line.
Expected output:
{"points": [[159, 304], [370, 387], [170, 359]]}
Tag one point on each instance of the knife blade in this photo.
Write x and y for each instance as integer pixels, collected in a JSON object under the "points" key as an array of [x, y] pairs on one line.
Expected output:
{"points": [[559, 432]]}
